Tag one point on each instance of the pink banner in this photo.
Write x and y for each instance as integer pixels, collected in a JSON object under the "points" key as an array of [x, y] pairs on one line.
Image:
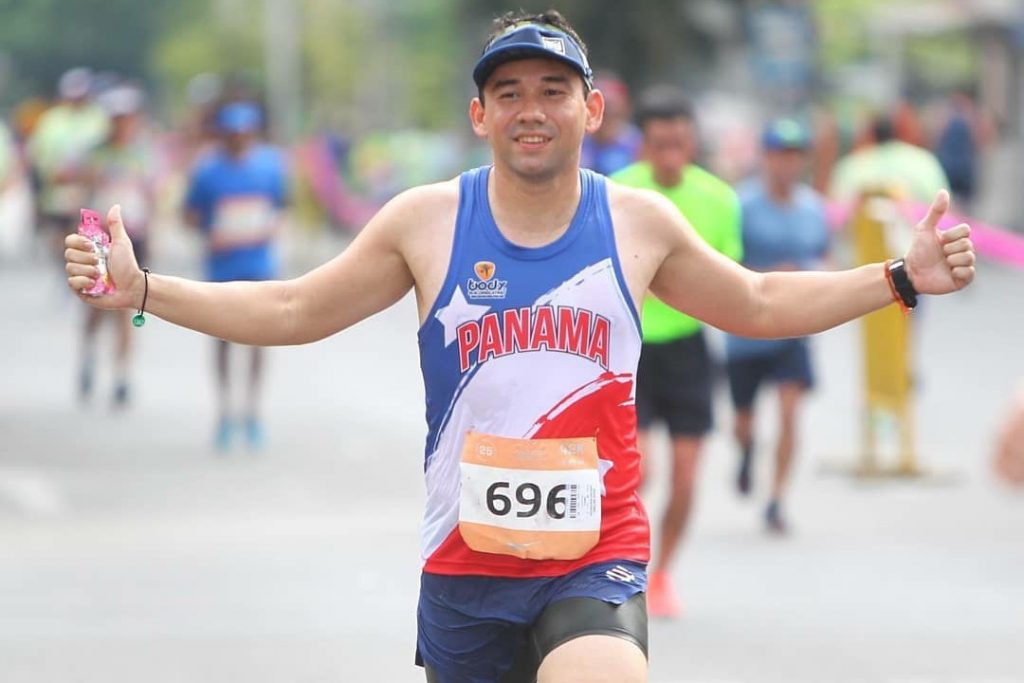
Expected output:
{"points": [[998, 244]]}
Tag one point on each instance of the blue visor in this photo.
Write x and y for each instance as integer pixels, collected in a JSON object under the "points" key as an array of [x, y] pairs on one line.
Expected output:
{"points": [[529, 42], [239, 117]]}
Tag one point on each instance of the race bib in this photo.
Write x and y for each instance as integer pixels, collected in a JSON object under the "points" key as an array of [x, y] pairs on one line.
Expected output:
{"points": [[243, 220], [536, 499]]}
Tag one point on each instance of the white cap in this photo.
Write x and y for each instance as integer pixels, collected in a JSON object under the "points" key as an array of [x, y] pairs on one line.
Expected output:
{"points": [[75, 84], [121, 100]]}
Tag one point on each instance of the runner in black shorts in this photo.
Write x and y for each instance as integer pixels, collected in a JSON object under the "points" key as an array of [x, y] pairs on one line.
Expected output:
{"points": [[674, 386], [674, 376]]}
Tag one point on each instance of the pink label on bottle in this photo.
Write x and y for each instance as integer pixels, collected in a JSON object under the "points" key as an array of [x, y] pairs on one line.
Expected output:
{"points": [[89, 225]]}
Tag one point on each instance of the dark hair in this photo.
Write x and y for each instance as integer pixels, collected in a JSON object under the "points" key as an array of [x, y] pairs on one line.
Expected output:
{"points": [[662, 102], [551, 17], [883, 129]]}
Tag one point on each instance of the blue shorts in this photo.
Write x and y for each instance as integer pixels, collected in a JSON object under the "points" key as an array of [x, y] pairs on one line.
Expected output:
{"points": [[789, 363], [471, 628]]}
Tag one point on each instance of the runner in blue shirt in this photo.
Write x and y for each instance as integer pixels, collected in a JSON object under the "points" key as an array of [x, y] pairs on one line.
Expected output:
{"points": [[784, 228], [235, 197]]}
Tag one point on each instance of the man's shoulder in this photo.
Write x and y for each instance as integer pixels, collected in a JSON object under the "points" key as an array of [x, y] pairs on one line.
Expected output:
{"points": [[267, 154], [919, 155], [431, 194], [750, 190], [638, 197], [809, 198], [423, 204], [641, 208], [208, 164]]}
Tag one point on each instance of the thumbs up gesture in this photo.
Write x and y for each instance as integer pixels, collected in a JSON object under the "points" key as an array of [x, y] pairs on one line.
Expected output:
{"points": [[940, 262], [80, 264]]}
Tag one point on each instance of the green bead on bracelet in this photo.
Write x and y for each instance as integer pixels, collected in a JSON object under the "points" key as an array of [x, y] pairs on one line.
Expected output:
{"points": [[138, 320]]}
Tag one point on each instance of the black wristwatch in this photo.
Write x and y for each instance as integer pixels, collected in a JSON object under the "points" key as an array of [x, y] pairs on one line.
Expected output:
{"points": [[901, 282]]}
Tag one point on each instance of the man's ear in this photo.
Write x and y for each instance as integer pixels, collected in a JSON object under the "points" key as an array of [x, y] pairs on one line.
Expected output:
{"points": [[476, 117], [595, 110]]}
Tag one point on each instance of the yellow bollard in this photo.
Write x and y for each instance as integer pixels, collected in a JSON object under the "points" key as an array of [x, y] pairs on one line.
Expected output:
{"points": [[886, 337]]}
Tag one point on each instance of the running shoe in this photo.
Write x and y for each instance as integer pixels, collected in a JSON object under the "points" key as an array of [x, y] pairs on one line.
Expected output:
{"points": [[224, 435], [85, 383], [745, 477], [773, 520], [121, 395], [255, 434], [662, 600]]}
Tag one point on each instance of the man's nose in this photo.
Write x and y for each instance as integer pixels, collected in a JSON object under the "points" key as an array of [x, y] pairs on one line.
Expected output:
{"points": [[532, 111]]}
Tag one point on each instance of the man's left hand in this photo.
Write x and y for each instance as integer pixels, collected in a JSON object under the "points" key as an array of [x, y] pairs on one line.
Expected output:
{"points": [[940, 262]]}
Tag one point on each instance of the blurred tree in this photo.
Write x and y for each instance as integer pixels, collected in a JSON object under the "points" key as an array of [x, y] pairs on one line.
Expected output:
{"points": [[208, 36], [391, 65], [645, 41], [365, 64], [42, 38]]}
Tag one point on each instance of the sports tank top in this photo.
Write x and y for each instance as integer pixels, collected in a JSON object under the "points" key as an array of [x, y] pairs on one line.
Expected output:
{"points": [[531, 343]]}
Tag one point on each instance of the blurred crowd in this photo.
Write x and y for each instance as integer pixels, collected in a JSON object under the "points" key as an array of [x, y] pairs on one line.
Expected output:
{"points": [[768, 193]]}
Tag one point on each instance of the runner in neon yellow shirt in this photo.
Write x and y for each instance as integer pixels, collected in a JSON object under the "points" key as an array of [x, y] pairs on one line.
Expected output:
{"points": [[674, 375]]}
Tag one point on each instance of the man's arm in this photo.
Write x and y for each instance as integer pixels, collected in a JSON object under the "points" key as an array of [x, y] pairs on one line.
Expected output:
{"points": [[370, 275], [707, 285]]}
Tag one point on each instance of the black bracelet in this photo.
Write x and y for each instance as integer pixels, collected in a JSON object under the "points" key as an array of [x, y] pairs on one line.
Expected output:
{"points": [[139, 319]]}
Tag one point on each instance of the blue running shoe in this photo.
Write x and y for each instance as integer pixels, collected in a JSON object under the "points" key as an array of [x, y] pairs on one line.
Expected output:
{"points": [[225, 433], [255, 434]]}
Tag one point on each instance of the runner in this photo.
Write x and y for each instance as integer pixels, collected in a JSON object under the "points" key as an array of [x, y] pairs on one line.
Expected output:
{"points": [[122, 169], [616, 143], [784, 228], [60, 144], [674, 379], [528, 275], [236, 195]]}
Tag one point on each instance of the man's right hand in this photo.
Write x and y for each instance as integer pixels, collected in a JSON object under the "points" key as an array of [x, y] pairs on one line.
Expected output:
{"points": [[124, 271]]}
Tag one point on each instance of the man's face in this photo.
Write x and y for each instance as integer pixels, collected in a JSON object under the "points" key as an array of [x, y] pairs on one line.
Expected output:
{"points": [[783, 167], [124, 126], [238, 142], [535, 117], [669, 147]]}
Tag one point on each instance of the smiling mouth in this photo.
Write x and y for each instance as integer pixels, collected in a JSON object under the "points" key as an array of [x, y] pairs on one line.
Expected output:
{"points": [[532, 139]]}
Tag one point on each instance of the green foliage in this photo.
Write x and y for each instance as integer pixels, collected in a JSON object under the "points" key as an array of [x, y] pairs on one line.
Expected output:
{"points": [[944, 60], [43, 38], [645, 41], [224, 36]]}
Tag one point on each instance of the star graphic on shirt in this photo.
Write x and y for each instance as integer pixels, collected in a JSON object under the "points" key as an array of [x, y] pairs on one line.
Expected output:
{"points": [[602, 469], [457, 312]]}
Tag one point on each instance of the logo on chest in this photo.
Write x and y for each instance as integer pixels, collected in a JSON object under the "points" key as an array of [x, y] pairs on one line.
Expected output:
{"points": [[485, 286], [566, 329]]}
